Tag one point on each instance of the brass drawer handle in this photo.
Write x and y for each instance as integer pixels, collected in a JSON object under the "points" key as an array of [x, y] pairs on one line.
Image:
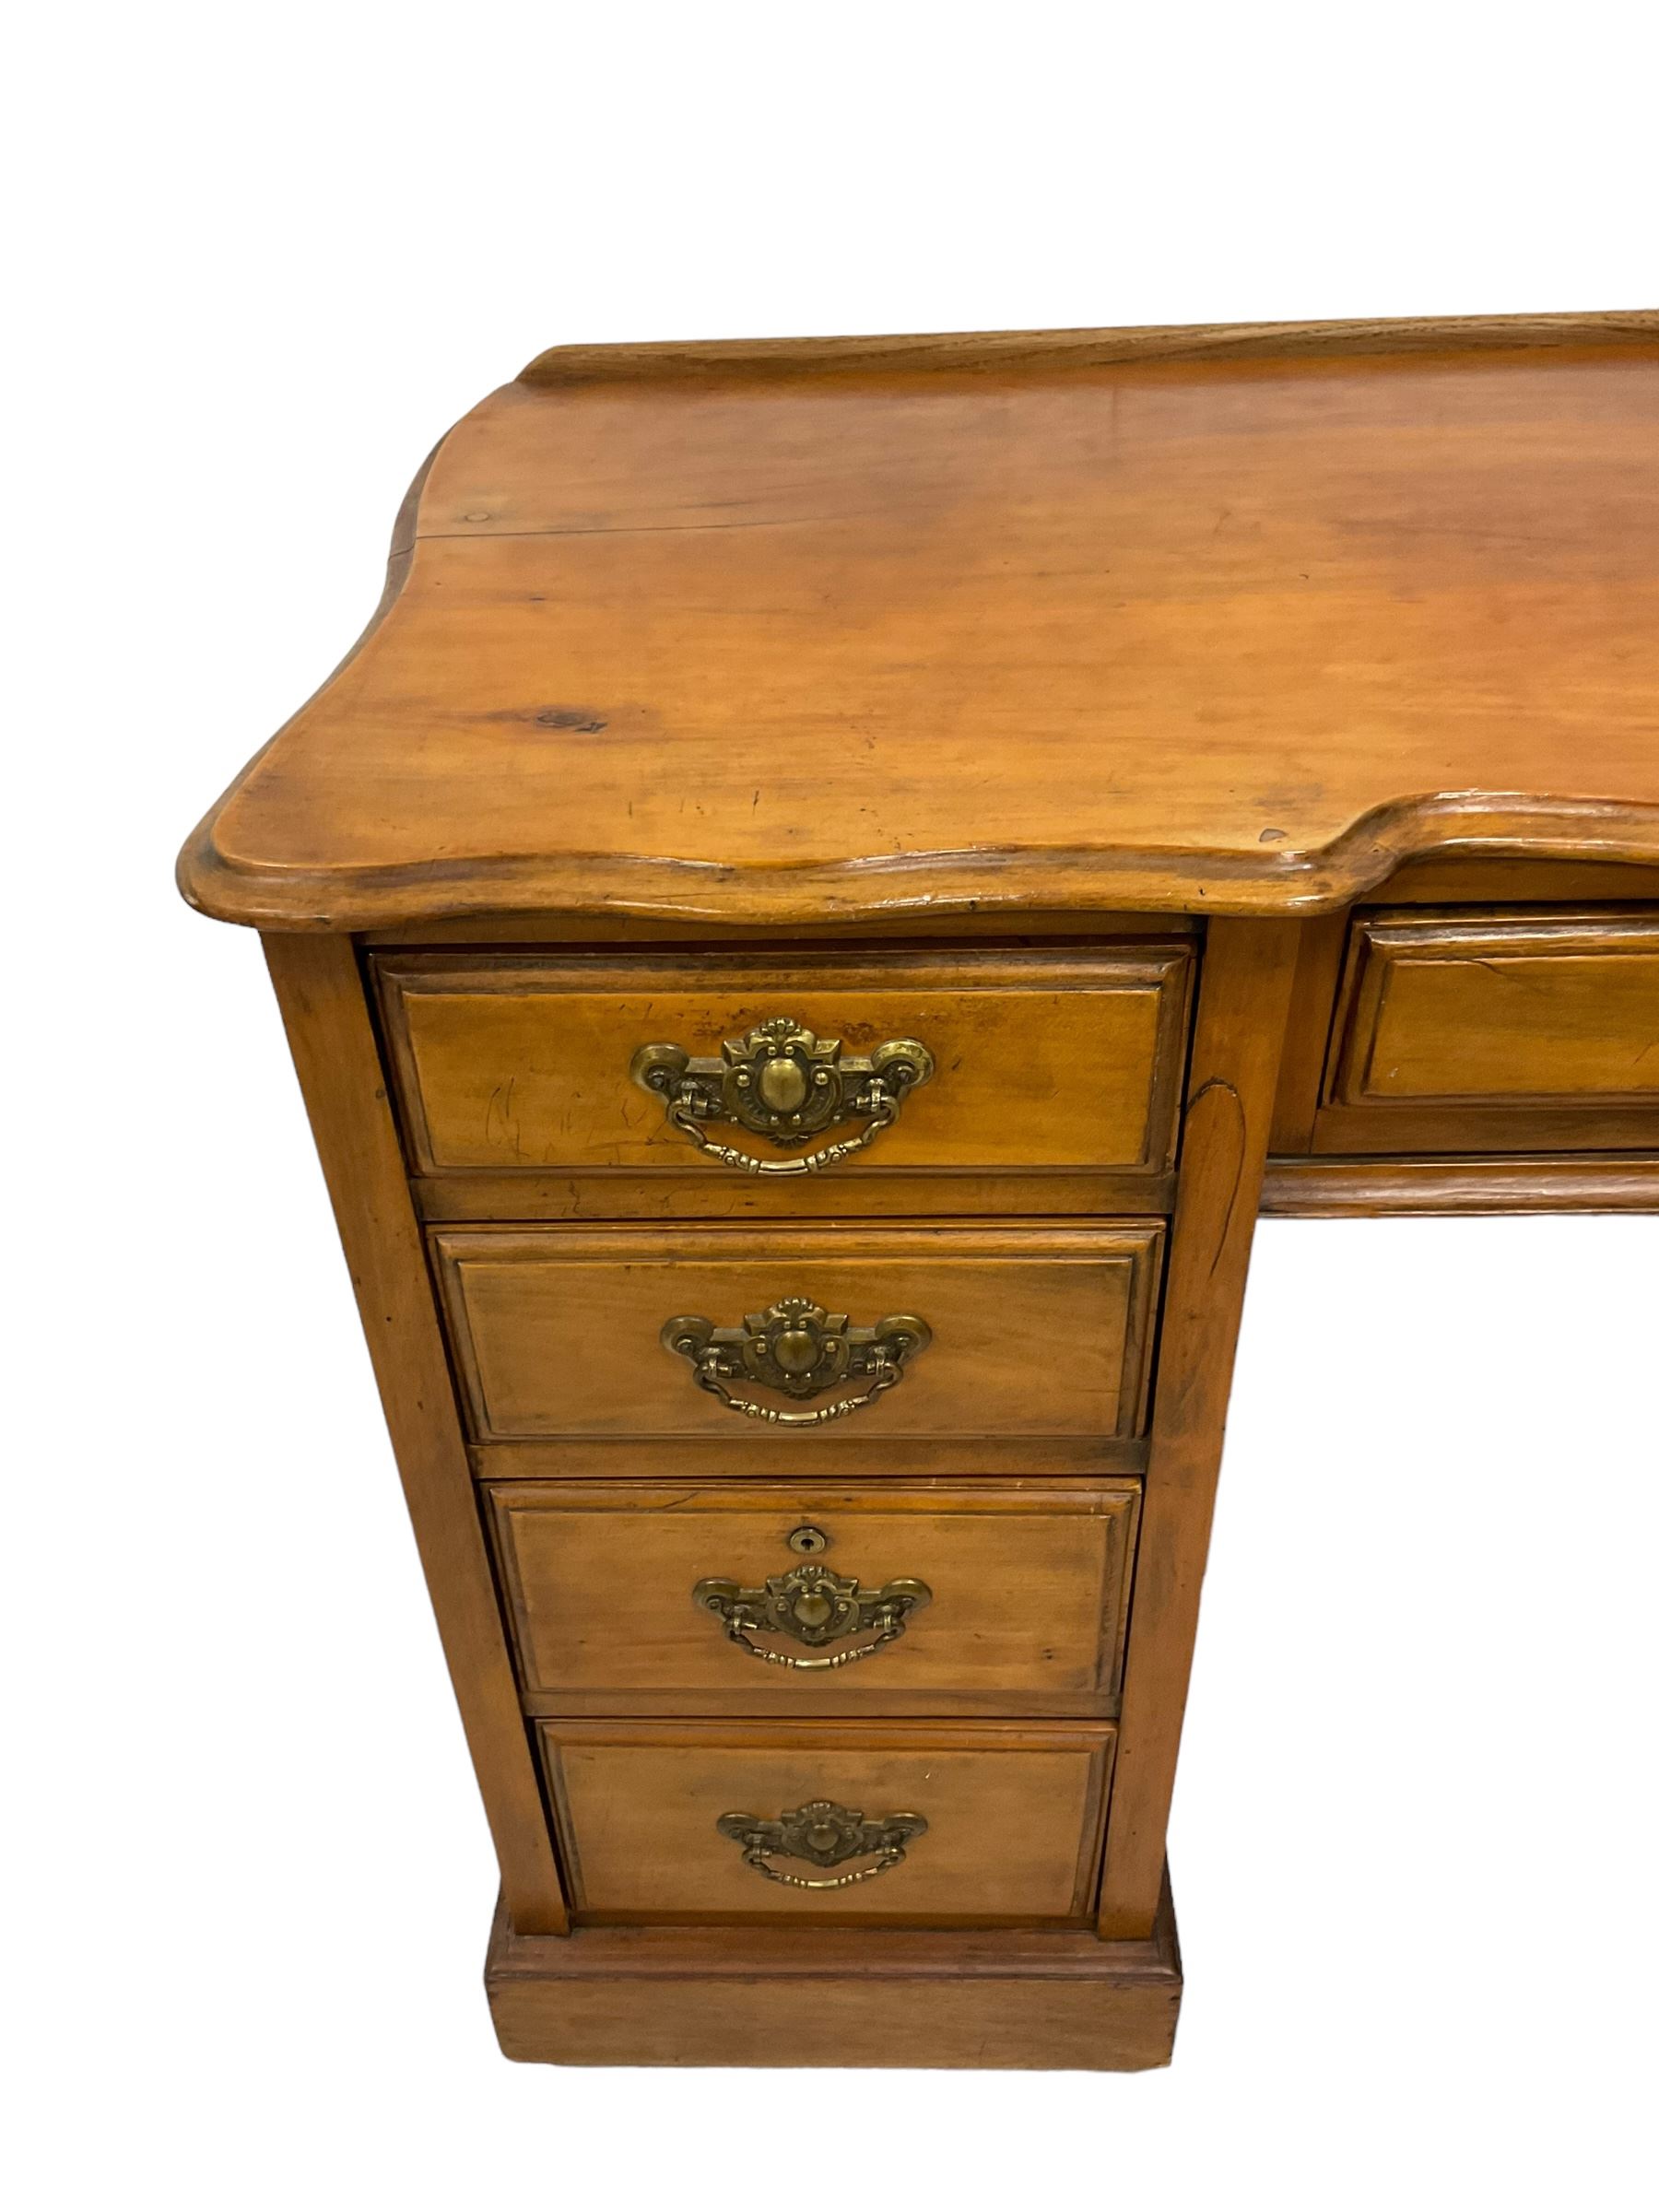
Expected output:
{"points": [[798, 1348], [783, 1082], [814, 1606], [824, 1835]]}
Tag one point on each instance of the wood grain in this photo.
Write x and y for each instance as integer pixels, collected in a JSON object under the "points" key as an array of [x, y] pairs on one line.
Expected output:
{"points": [[1439, 878], [1544, 1183], [321, 994], [613, 930], [826, 1996], [837, 1455], [710, 1193], [977, 350], [1319, 959], [1045, 625], [1029, 1595], [1463, 1030], [1037, 1331], [1243, 1009], [1013, 1814], [706, 680], [1064, 1061]]}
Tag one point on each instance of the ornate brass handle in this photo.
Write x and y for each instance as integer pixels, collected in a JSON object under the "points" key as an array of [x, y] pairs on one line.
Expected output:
{"points": [[824, 1835], [814, 1606], [783, 1082], [797, 1347]]}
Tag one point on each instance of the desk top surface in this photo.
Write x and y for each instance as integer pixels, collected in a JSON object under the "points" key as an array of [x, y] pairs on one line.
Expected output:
{"points": [[1220, 620]]}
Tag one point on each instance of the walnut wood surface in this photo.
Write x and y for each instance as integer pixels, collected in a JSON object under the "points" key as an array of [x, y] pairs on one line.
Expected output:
{"points": [[1029, 1595], [705, 677], [828, 1997], [1610, 1184], [1442, 878], [707, 1194], [321, 994], [1243, 1009], [1320, 953], [1013, 1813], [1037, 1331], [1459, 1030], [836, 1455], [1068, 1059], [612, 929], [978, 351], [1050, 622]]}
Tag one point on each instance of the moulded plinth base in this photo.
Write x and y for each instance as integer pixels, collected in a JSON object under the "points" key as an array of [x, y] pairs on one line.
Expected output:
{"points": [[729, 1996]]}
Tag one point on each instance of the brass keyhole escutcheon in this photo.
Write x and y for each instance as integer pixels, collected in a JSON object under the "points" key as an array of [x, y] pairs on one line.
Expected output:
{"points": [[813, 1605]]}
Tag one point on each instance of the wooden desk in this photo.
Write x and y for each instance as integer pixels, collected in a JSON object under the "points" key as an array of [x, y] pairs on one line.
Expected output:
{"points": [[837, 879]]}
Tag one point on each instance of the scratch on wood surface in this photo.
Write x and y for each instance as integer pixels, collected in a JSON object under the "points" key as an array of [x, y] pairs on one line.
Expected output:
{"points": [[499, 1121]]}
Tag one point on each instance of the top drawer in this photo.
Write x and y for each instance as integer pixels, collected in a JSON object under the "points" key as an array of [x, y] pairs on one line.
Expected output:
{"points": [[738, 1071], [1496, 1032]]}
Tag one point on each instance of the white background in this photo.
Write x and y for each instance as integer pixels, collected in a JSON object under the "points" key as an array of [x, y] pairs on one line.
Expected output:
{"points": [[262, 257]]}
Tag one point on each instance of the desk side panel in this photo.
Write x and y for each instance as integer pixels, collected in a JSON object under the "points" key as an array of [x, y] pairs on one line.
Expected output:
{"points": [[337, 1060]]}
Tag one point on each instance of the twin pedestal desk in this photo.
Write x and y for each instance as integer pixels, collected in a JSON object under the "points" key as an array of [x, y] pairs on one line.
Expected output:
{"points": [[839, 879]]}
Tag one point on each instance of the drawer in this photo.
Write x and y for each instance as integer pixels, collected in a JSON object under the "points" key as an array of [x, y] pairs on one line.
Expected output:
{"points": [[666, 1821], [1466, 1030], [887, 1597], [775, 1335], [910, 1067]]}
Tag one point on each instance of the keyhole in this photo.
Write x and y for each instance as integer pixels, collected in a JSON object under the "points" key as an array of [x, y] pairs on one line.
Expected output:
{"points": [[808, 1539]]}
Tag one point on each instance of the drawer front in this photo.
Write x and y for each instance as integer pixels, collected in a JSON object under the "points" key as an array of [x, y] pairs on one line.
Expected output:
{"points": [[1033, 1063], [828, 1820], [887, 1597], [1464, 1031], [782, 1335]]}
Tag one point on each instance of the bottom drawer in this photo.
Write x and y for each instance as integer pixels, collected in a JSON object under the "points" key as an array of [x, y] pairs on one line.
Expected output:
{"points": [[928, 1825]]}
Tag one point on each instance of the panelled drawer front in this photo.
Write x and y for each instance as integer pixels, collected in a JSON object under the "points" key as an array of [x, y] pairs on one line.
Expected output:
{"points": [[887, 1597], [1035, 1332], [920, 1824], [1464, 1030], [1039, 1062]]}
